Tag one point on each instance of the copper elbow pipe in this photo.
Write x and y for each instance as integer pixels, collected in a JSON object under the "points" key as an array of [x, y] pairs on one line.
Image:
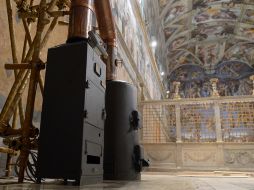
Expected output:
{"points": [[105, 21], [82, 19]]}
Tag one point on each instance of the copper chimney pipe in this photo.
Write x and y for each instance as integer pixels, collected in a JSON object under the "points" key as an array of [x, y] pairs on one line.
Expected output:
{"points": [[105, 21], [107, 32], [82, 19]]}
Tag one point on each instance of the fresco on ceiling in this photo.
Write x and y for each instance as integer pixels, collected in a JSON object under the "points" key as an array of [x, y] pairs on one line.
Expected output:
{"points": [[174, 60], [201, 53], [217, 13], [168, 32], [184, 59], [218, 38], [163, 3], [175, 11], [251, 2], [244, 52], [248, 16], [181, 58], [205, 31], [211, 54], [233, 42], [208, 54], [177, 43], [206, 3], [246, 31]]}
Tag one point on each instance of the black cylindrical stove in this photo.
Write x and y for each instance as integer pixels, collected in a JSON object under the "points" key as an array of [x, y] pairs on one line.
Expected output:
{"points": [[122, 152]]}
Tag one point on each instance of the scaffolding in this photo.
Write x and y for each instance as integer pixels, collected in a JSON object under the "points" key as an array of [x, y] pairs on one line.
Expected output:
{"points": [[21, 141]]}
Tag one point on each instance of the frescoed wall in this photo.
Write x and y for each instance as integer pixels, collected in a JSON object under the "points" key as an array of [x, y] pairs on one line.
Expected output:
{"points": [[134, 38]]}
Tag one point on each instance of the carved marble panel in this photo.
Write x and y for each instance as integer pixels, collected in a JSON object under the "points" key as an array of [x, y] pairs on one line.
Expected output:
{"points": [[160, 153], [195, 157], [161, 156], [239, 158]]}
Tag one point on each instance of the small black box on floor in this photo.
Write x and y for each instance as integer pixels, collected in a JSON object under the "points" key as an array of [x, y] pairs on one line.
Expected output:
{"points": [[73, 114]]}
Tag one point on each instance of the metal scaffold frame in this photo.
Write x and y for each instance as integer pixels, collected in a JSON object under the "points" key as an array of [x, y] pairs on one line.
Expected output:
{"points": [[22, 140]]}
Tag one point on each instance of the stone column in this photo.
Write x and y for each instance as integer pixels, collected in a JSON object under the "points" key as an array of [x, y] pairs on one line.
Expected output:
{"points": [[176, 90], [252, 78], [220, 152], [178, 123], [179, 159], [214, 82], [217, 122], [142, 94]]}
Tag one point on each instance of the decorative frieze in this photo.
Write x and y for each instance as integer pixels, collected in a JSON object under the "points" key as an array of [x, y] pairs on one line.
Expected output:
{"points": [[239, 158], [194, 157], [160, 155]]}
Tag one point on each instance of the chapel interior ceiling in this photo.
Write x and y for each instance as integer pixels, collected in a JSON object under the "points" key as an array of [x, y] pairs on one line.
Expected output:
{"points": [[209, 39]]}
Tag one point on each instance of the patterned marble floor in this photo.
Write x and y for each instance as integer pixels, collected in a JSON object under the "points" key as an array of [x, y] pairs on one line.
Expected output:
{"points": [[150, 181]]}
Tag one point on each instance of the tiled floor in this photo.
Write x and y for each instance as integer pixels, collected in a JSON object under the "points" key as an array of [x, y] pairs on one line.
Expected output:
{"points": [[153, 182]]}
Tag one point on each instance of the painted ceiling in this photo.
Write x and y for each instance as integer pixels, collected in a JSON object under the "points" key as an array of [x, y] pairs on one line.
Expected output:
{"points": [[209, 39]]}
